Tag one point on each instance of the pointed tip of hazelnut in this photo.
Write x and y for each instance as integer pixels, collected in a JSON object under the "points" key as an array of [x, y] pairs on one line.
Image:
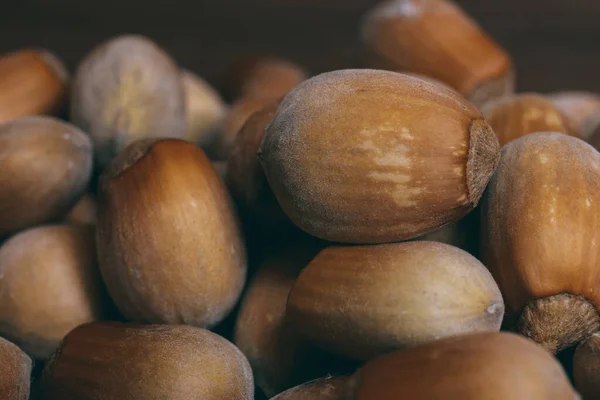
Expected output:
{"points": [[492, 89], [483, 158], [128, 157], [558, 322]]}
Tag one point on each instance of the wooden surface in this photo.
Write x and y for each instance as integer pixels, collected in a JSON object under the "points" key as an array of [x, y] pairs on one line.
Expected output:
{"points": [[555, 43]]}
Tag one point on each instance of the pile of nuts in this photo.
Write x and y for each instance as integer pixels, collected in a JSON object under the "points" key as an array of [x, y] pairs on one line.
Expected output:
{"points": [[366, 233]]}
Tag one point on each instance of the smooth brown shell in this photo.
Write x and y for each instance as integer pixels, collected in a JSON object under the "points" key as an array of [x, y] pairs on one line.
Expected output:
{"points": [[223, 142], [45, 167], [150, 362], [332, 388], [586, 368], [436, 38], [367, 156], [365, 301], [245, 176], [490, 366], [84, 212], [204, 109], [512, 117], [540, 230], [577, 106], [264, 77], [15, 369], [277, 356], [127, 89], [169, 243], [32, 82], [50, 284]]}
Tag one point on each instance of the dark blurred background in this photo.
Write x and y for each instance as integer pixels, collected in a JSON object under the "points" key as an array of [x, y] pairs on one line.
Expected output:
{"points": [[555, 43]]}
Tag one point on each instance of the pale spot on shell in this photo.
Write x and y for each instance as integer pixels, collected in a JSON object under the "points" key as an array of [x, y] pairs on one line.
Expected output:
{"points": [[406, 134], [459, 153], [533, 114], [553, 119], [194, 204], [462, 199], [543, 158], [389, 177], [459, 171], [588, 203]]}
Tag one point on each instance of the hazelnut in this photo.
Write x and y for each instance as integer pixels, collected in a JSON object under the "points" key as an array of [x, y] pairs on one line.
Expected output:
{"points": [[514, 116], [586, 367], [577, 106], [45, 167], [15, 368], [331, 388], [491, 366], [50, 284], [540, 237], [169, 243], [436, 38], [366, 301], [151, 362], [84, 212], [31, 82], [124, 90], [423, 152], [204, 109]]}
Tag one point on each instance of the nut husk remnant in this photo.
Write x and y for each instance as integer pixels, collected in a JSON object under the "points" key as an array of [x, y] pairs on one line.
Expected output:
{"points": [[436, 38], [169, 243], [15, 369], [45, 167], [491, 366], [540, 236], [365, 301], [32, 82], [50, 284], [422, 151], [127, 89], [151, 362]]}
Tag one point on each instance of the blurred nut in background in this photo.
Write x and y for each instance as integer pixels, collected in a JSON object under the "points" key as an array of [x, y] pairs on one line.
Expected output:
{"points": [[31, 82], [331, 388], [204, 109], [491, 366], [367, 156], [591, 130], [541, 239], [586, 367], [50, 284], [577, 106], [436, 38], [84, 212], [150, 362], [365, 301], [169, 243], [15, 368], [264, 77], [514, 116], [45, 167], [127, 89]]}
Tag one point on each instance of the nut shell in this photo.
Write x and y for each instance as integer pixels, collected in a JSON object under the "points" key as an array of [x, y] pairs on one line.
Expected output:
{"points": [[15, 370], [366, 301], [84, 212], [45, 167], [332, 388], [127, 89], [436, 38], [491, 366], [577, 106], [32, 82], [150, 362], [423, 152], [50, 284], [169, 243], [586, 367]]}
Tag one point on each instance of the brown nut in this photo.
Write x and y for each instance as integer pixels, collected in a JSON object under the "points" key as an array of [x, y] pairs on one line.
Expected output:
{"points": [[436, 38], [591, 130], [577, 106], [540, 236], [32, 82], [586, 367], [169, 243], [512, 117], [50, 284], [491, 366], [204, 109], [331, 388], [421, 156], [264, 77], [127, 89], [151, 362], [365, 301], [223, 141], [45, 166], [84, 212], [245, 176], [15, 371]]}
